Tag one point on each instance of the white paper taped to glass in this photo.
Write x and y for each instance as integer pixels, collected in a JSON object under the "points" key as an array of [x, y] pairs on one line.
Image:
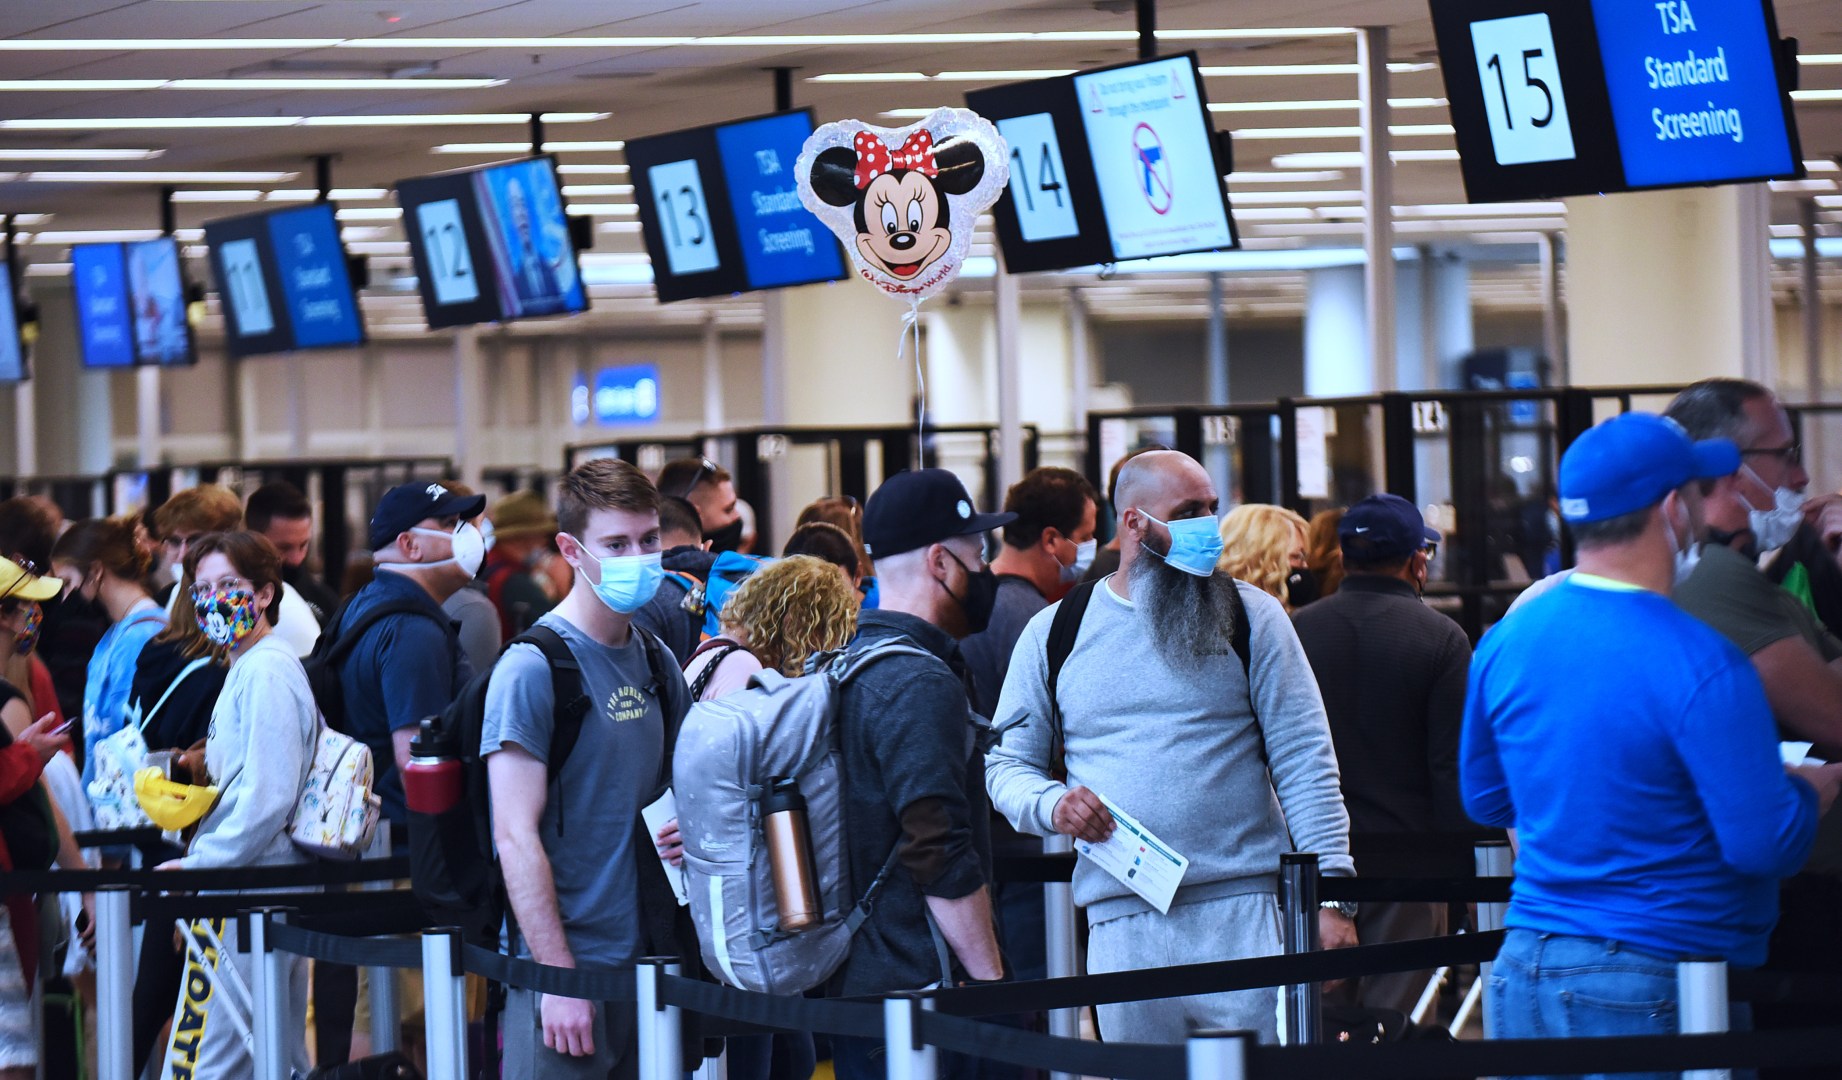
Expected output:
{"points": [[1143, 863]]}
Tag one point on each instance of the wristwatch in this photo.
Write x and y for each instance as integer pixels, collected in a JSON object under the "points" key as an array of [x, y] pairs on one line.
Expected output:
{"points": [[1345, 908]]}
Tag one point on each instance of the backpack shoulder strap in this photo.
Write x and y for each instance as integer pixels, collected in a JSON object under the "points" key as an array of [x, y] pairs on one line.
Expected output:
{"points": [[1240, 636], [723, 650], [571, 701], [172, 686], [1063, 630], [345, 639]]}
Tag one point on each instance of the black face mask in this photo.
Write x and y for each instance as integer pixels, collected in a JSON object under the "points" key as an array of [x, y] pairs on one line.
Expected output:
{"points": [[1301, 587], [981, 597], [727, 538]]}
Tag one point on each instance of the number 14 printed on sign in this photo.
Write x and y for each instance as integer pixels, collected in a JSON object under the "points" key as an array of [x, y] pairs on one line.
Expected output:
{"points": [[1044, 210]]}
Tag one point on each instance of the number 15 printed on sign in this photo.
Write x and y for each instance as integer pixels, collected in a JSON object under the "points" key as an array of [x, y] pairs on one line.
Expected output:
{"points": [[1523, 99]]}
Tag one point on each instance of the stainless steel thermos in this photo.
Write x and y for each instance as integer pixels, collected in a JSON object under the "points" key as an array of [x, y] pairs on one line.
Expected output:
{"points": [[789, 845]]}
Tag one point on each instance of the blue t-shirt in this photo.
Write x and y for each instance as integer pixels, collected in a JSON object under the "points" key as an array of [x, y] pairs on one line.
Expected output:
{"points": [[1633, 750], [406, 668], [111, 678]]}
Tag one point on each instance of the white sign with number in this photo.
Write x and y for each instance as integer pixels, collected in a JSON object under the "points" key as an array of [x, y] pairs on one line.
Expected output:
{"points": [[444, 246], [684, 217], [1039, 188], [249, 296], [1523, 100]]}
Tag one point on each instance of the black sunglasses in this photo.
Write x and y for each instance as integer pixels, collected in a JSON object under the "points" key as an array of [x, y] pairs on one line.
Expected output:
{"points": [[705, 469]]}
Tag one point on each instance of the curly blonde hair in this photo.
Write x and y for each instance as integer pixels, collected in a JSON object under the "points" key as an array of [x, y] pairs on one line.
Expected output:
{"points": [[1257, 544], [790, 609]]}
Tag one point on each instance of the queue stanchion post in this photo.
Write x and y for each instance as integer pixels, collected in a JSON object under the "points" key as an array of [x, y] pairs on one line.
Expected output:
{"points": [[114, 984], [444, 1003], [1701, 1006], [1493, 858], [268, 995], [1061, 942], [661, 1052], [1218, 1055], [386, 1008], [909, 1058], [1298, 902]]}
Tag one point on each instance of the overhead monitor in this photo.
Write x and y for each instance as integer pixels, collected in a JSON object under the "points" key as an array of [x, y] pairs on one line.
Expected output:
{"points": [[131, 304], [1575, 97], [12, 347], [720, 212], [1110, 164], [492, 244], [284, 282]]}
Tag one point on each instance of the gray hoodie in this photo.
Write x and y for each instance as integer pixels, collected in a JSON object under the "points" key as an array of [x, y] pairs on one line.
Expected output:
{"points": [[1181, 753]]}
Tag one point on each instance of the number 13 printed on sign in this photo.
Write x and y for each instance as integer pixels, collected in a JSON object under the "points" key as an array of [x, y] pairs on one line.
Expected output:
{"points": [[1523, 100], [678, 198]]}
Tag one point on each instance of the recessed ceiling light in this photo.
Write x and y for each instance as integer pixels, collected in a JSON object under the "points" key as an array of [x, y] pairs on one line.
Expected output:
{"points": [[1273, 33], [602, 209], [1822, 165], [574, 191], [124, 123], [95, 236], [1288, 177], [27, 85], [1266, 70], [102, 176], [1322, 105], [1350, 132], [592, 170], [1816, 95], [1352, 159]]}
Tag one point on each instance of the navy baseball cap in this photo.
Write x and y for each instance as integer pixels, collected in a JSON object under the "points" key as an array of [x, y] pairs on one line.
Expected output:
{"points": [[1383, 527], [918, 507], [406, 504], [1631, 461]]}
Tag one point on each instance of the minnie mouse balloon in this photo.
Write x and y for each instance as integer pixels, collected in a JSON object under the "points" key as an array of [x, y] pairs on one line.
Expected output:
{"points": [[904, 200]]}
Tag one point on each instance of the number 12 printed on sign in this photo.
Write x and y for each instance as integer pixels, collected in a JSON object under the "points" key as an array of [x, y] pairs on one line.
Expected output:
{"points": [[445, 243]]}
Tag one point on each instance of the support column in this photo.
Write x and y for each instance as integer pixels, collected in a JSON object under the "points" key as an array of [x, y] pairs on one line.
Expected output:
{"points": [[1377, 203], [713, 375], [1081, 363], [1336, 337], [1553, 341], [1816, 427], [469, 410], [148, 428], [297, 406], [1669, 286], [1010, 379], [1219, 457], [79, 439]]}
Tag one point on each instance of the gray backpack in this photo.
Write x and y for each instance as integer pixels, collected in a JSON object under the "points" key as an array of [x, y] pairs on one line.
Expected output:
{"points": [[729, 751]]}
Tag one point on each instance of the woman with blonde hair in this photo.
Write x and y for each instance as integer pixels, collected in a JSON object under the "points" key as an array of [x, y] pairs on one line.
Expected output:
{"points": [[1264, 545], [785, 612]]}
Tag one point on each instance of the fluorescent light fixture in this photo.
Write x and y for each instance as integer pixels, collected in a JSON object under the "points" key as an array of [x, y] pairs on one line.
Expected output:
{"points": [[1293, 198], [1291, 177], [76, 153], [28, 85], [1503, 209], [1352, 131], [31, 219], [371, 213], [618, 227], [128, 123], [907, 114], [592, 170], [124, 177], [1273, 33], [1812, 165], [1816, 95], [602, 209], [189, 236], [1820, 59], [1320, 106], [1352, 159], [1794, 187], [573, 191], [1012, 75], [1265, 70], [525, 147], [1827, 201], [1274, 213], [293, 195], [48, 269], [228, 195], [377, 247], [870, 77], [95, 236]]}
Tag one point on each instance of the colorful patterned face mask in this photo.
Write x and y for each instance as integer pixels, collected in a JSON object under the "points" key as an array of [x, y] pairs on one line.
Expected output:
{"points": [[226, 616], [28, 638]]}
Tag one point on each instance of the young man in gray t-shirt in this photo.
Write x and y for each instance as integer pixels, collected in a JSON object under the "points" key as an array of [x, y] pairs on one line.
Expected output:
{"points": [[571, 851]]}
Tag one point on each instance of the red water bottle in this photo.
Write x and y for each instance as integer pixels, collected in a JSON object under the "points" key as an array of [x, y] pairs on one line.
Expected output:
{"points": [[432, 782]]}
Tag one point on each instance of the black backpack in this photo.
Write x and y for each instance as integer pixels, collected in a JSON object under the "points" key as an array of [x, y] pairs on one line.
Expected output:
{"points": [[453, 867], [336, 642]]}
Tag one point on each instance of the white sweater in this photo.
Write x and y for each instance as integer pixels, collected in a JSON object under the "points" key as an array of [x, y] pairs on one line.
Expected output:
{"points": [[258, 751]]}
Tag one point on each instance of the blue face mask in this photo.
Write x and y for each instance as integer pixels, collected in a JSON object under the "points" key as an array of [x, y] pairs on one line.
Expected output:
{"points": [[1195, 544], [627, 582]]}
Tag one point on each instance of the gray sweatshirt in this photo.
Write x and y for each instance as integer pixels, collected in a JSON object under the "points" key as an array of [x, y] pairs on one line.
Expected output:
{"points": [[1182, 754]]}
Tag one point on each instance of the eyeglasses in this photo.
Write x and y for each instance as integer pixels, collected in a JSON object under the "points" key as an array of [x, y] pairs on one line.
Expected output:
{"points": [[1432, 551], [205, 590], [1790, 455]]}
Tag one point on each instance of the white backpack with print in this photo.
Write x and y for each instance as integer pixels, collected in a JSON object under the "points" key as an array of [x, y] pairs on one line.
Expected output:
{"points": [[337, 813]]}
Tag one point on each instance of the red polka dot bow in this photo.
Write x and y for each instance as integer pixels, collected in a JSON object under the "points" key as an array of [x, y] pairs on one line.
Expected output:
{"points": [[874, 157]]}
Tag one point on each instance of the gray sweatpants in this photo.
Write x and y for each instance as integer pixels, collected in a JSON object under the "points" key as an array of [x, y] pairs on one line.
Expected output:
{"points": [[214, 1011], [1229, 928], [616, 1055]]}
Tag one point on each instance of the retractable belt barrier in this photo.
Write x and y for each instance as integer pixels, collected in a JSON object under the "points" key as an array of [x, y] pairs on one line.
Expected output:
{"points": [[237, 879], [1806, 1048]]}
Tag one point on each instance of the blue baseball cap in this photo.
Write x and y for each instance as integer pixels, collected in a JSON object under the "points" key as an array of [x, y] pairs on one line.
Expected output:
{"points": [[1631, 461], [406, 504], [1383, 527]]}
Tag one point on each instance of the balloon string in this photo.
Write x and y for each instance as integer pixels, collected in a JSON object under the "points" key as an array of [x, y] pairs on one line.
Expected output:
{"points": [[911, 324]]}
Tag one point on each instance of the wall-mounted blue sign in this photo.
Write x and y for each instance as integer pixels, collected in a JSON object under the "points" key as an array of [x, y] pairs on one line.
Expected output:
{"points": [[626, 395]]}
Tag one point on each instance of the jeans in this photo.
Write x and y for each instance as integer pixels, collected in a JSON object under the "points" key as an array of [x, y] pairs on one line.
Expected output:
{"points": [[1552, 986]]}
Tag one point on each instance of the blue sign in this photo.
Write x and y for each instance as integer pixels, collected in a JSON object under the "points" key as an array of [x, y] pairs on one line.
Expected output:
{"points": [[627, 395], [782, 242], [103, 323], [12, 353], [1694, 90], [314, 278]]}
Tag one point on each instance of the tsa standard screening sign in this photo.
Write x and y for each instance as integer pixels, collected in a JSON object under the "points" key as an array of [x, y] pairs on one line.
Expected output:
{"points": [[1154, 158]]}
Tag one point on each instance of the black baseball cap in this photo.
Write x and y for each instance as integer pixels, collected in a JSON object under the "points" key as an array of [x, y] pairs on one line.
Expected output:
{"points": [[1383, 527], [404, 505], [918, 507]]}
